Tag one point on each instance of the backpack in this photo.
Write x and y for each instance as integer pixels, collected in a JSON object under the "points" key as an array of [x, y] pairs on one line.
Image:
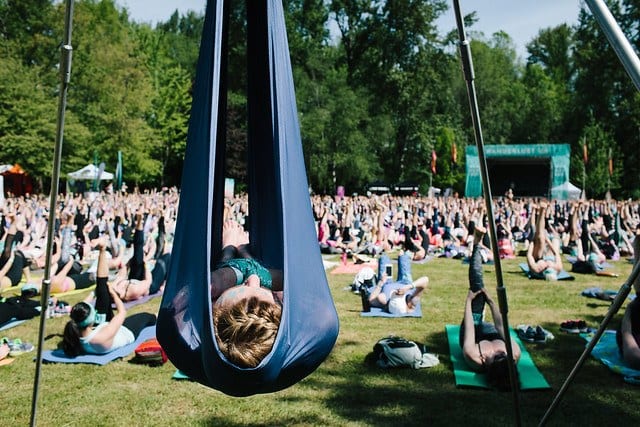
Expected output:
{"points": [[395, 352], [150, 353]]}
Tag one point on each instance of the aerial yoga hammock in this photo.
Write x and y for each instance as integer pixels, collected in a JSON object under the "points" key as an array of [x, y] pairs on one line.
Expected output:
{"points": [[282, 232]]}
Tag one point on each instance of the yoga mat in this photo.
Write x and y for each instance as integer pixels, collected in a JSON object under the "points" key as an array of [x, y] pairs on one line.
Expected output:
{"points": [[17, 290], [380, 312], [58, 356], [606, 351], [129, 304], [530, 377], [179, 375], [563, 275], [11, 324]]}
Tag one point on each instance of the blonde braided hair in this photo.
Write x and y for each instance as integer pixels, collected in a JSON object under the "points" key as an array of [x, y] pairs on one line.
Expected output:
{"points": [[246, 330]]}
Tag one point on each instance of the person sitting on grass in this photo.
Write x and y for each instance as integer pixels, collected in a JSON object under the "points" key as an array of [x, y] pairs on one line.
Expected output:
{"points": [[483, 343], [97, 330], [246, 301]]}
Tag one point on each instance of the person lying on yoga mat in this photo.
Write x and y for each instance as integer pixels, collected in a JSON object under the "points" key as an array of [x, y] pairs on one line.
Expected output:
{"points": [[13, 264], [245, 302], [483, 345], [543, 256], [97, 330], [134, 280], [397, 298]]}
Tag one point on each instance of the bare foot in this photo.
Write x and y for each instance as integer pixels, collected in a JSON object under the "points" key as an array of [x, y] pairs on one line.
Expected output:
{"points": [[229, 233]]}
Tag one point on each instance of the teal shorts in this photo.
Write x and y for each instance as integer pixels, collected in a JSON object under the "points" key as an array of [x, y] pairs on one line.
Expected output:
{"points": [[245, 267]]}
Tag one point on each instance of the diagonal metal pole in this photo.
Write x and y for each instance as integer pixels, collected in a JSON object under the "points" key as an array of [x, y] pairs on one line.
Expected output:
{"points": [[65, 77], [617, 39], [467, 67], [631, 63]]}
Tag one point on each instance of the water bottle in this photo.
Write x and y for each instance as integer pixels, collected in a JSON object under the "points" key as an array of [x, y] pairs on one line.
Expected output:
{"points": [[50, 308]]}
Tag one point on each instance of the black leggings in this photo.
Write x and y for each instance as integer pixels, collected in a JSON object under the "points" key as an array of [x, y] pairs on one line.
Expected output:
{"points": [[136, 263], [103, 298], [159, 273], [483, 330], [83, 280], [137, 322]]}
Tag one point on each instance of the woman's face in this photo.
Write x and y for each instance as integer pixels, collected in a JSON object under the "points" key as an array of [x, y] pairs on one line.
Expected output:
{"points": [[246, 290]]}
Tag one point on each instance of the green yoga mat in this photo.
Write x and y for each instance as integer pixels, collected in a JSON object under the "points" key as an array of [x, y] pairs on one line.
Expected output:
{"points": [[530, 376]]}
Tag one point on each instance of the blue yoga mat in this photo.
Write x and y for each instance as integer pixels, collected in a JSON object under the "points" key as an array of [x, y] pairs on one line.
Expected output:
{"points": [[58, 356], [380, 312], [606, 351]]}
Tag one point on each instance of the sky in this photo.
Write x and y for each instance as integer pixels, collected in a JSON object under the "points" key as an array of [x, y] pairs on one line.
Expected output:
{"points": [[521, 19]]}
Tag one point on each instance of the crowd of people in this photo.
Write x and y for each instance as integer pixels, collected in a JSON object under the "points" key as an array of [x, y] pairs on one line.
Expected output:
{"points": [[589, 232], [123, 234]]}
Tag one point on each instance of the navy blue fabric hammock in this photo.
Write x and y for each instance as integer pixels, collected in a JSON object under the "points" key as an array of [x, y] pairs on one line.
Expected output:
{"points": [[282, 232]]}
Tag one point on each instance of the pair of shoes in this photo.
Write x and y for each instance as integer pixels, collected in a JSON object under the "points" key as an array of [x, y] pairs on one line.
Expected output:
{"points": [[17, 347], [526, 333], [574, 326], [536, 334]]}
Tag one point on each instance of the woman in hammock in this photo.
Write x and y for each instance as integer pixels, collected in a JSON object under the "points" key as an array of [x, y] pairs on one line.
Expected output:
{"points": [[483, 345], [246, 301], [97, 330]]}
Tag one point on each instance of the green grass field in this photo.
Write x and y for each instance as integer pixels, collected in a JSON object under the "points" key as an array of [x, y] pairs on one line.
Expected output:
{"points": [[344, 390]]}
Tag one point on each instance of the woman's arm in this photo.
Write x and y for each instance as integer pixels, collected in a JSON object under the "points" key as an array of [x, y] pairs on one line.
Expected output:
{"points": [[469, 348], [105, 336]]}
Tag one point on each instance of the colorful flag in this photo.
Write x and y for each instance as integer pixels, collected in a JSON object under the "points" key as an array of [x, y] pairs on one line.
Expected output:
{"points": [[434, 158], [454, 153], [610, 163], [585, 155]]}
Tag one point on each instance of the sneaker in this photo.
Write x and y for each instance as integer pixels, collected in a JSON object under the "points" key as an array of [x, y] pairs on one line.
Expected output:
{"points": [[570, 327], [530, 334], [540, 335], [582, 326], [17, 347]]}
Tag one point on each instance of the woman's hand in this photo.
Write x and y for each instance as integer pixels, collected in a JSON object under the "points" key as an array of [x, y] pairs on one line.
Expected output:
{"points": [[113, 293], [471, 295]]}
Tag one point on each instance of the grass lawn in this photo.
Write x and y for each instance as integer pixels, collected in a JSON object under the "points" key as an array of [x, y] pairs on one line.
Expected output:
{"points": [[344, 390]]}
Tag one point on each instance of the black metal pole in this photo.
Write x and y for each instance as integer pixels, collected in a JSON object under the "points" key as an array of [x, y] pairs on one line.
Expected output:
{"points": [[65, 77], [467, 68], [631, 63]]}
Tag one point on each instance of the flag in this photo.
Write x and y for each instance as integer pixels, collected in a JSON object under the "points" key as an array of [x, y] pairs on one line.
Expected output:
{"points": [[585, 155], [610, 163], [118, 184], [434, 158], [454, 153]]}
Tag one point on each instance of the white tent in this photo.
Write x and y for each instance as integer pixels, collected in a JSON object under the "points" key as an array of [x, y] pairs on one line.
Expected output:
{"points": [[89, 172], [566, 191]]}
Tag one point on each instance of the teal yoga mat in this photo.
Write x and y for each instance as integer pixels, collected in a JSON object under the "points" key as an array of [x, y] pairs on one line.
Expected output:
{"points": [[530, 377]]}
